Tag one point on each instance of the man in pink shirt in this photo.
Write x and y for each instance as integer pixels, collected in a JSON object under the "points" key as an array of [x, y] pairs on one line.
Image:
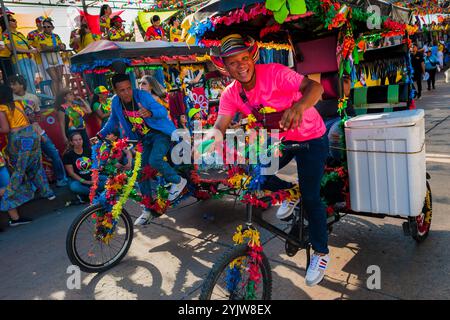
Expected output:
{"points": [[293, 96]]}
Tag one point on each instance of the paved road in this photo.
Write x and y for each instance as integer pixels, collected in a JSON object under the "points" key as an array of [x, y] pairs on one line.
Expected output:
{"points": [[170, 258]]}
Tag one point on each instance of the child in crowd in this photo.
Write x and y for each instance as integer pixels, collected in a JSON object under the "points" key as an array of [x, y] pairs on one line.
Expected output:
{"points": [[101, 104]]}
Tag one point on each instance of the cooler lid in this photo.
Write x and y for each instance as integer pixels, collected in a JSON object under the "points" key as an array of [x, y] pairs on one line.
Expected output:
{"points": [[386, 120]]}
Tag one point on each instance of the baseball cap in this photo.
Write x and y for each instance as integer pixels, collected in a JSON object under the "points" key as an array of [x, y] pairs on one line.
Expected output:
{"points": [[100, 90], [117, 19]]}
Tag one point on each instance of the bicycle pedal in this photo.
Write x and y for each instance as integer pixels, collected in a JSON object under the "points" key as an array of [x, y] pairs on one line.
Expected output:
{"points": [[291, 249]]}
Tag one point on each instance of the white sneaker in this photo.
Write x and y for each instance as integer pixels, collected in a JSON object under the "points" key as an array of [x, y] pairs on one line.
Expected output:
{"points": [[286, 208], [316, 269], [176, 189], [143, 218]]}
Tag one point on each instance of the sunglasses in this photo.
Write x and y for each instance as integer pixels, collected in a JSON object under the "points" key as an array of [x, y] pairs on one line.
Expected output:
{"points": [[12, 20], [144, 83], [47, 27]]}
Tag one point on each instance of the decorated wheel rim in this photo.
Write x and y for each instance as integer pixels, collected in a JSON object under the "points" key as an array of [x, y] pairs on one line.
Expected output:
{"points": [[424, 219]]}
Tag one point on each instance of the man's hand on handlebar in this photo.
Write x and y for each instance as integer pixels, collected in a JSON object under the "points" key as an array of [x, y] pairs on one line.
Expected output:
{"points": [[292, 118], [94, 140]]}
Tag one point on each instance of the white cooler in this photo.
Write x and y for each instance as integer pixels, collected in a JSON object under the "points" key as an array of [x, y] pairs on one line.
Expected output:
{"points": [[386, 162]]}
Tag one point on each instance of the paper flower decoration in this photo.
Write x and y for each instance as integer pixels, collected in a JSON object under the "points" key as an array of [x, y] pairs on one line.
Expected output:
{"points": [[282, 8]]}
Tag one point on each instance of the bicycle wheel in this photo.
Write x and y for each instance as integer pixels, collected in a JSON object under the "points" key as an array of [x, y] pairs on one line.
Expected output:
{"points": [[216, 286], [88, 251]]}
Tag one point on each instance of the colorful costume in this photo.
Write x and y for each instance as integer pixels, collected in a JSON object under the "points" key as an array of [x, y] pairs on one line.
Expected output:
{"points": [[25, 158]]}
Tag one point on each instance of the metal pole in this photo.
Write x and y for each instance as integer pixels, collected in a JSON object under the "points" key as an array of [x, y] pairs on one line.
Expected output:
{"points": [[5, 18], [84, 7]]}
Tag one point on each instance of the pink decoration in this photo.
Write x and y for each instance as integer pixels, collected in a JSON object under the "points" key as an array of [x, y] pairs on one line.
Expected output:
{"points": [[240, 15]]}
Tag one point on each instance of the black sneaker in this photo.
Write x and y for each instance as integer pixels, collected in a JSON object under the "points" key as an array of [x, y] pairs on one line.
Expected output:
{"points": [[18, 222]]}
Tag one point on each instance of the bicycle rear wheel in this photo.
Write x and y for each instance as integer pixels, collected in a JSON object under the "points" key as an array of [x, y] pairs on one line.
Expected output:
{"points": [[218, 285], [87, 250]]}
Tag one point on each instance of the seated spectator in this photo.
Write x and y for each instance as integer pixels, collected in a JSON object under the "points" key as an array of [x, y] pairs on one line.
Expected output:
{"points": [[175, 31], [101, 104], [182, 122], [31, 104], [25, 158], [117, 32], [71, 114], [78, 163], [155, 31], [195, 118], [25, 63]]}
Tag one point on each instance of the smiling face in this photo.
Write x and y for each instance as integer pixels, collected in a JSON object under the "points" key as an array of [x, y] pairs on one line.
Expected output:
{"points": [[241, 67]]}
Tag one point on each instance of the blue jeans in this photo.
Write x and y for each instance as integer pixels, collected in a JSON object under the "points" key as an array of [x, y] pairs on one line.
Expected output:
{"points": [[28, 69], [310, 167], [48, 147], [80, 188], [329, 123], [156, 147]]}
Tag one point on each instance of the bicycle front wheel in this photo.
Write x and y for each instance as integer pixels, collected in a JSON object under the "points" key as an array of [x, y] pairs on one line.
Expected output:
{"points": [[86, 247], [228, 282]]}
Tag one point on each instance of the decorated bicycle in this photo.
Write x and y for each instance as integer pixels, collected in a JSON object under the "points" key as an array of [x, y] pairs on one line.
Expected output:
{"points": [[372, 173], [369, 161]]}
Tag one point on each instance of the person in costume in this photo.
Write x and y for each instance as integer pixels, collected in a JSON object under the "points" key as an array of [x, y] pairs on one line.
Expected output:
{"points": [[155, 31], [293, 96], [117, 32], [105, 19], [25, 63], [50, 47], [175, 31], [25, 158]]}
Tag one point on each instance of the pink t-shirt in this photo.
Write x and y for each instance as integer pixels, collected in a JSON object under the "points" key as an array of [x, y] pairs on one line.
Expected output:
{"points": [[278, 87]]}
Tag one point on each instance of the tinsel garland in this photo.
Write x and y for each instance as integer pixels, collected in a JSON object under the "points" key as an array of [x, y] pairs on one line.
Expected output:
{"points": [[95, 169], [240, 15], [117, 209], [76, 68], [253, 260], [117, 189]]}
